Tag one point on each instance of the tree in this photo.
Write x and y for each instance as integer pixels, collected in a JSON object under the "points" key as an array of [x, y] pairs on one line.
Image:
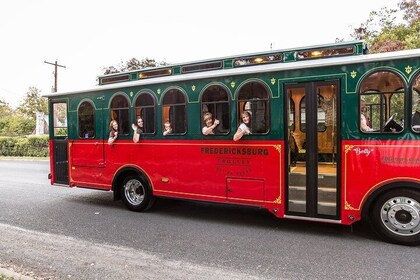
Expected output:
{"points": [[382, 32], [6, 112], [33, 102], [132, 64], [25, 120]]}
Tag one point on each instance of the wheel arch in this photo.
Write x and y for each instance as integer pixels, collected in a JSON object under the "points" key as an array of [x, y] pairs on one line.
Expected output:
{"points": [[122, 173], [368, 204]]}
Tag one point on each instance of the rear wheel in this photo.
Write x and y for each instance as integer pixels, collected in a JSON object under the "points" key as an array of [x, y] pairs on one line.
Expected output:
{"points": [[136, 193], [395, 217]]}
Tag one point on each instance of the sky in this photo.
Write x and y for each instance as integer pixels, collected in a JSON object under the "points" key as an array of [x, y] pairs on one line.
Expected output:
{"points": [[87, 35]]}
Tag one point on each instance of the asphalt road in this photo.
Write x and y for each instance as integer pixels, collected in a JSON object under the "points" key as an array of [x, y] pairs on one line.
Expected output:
{"points": [[62, 233]]}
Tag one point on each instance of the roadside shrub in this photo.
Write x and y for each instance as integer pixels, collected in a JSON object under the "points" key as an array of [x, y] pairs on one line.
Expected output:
{"points": [[24, 146], [7, 145]]}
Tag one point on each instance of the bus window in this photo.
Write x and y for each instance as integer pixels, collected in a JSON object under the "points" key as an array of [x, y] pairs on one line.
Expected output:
{"points": [[291, 114], [415, 101], [120, 113], [321, 114], [146, 110], [86, 118], [253, 97], [216, 101], [382, 103], [302, 113], [60, 119], [174, 110]]}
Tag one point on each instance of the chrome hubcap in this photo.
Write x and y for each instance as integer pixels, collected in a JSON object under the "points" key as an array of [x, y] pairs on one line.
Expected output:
{"points": [[134, 191], [401, 215]]}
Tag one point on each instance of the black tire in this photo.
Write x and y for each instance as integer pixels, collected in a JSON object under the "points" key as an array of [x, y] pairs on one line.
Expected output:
{"points": [[395, 217], [136, 193]]}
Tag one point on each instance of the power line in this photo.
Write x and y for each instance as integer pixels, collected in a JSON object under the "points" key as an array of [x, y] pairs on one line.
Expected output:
{"points": [[55, 73]]}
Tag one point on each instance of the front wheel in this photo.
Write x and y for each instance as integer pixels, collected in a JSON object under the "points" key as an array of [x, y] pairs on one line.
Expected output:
{"points": [[136, 193], [395, 217]]}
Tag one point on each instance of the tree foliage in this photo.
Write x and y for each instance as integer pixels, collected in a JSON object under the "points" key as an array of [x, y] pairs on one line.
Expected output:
{"points": [[22, 121], [132, 64], [6, 112], [383, 33], [33, 102]]}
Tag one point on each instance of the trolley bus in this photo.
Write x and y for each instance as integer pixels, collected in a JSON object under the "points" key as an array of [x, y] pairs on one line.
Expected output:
{"points": [[334, 135]]}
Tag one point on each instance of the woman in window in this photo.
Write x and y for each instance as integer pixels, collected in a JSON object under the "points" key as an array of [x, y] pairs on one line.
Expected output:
{"points": [[138, 129], [245, 127], [113, 132], [210, 125]]}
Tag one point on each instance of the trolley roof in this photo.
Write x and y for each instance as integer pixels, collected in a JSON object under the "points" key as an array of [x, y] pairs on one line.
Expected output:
{"points": [[279, 60]]}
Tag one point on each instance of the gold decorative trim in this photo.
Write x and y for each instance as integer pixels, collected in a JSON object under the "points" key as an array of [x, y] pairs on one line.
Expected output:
{"points": [[278, 200], [353, 74], [348, 148], [158, 91], [193, 88], [408, 69], [348, 206], [273, 81], [278, 148], [232, 84]]}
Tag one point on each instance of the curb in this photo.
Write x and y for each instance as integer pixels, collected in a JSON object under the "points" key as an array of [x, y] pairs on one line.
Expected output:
{"points": [[14, 275]]}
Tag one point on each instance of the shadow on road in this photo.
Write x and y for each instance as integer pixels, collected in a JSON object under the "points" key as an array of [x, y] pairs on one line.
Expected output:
{"points": [[224, 214]]}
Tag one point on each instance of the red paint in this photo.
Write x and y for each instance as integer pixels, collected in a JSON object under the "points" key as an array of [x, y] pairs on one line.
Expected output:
{"points": [[369, 165], [244, 172]]}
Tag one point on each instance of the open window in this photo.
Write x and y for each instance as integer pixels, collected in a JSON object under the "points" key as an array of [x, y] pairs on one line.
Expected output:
{"points": [[145, 108], [215, 101], [120, 112], [174, 112], [381, 98], [254, 98]]}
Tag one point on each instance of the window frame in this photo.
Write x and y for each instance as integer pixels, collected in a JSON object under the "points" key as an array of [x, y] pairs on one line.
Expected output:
{"points": [[136, 99], [267, 100], [215, 103], [171, 105], [411, 94], [385, 101], [120, 109], [90, 102]]}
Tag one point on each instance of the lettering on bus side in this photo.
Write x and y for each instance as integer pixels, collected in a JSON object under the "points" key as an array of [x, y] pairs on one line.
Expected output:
{"points": [[395, 160], [234, 161], [235, 151]]}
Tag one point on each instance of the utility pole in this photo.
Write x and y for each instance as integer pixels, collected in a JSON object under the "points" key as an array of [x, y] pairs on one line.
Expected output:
{"points": [[55, 73]]}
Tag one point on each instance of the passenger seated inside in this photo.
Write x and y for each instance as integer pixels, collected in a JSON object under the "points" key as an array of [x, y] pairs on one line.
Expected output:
{"points": [[364, 120], [391, 125], [415, 121], [294, 150]]}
